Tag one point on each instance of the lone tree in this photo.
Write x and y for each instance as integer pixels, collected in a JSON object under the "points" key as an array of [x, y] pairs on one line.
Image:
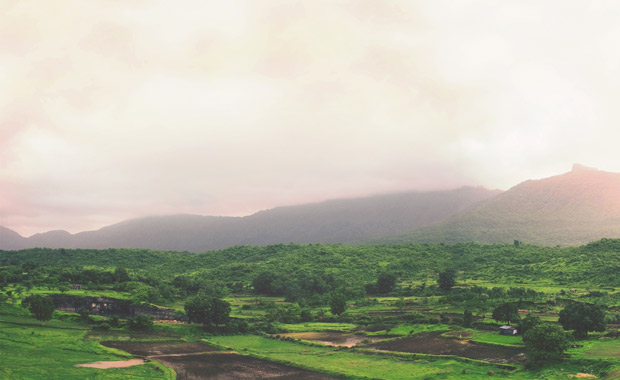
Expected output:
{"points": [[40, 307], [207, 310], [447, 279], [506, 312], [527, 323], [338, 304], [545, 341], [582, 318]]}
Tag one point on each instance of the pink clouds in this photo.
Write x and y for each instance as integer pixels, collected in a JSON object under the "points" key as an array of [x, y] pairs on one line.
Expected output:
{"points": [[111, 110]]}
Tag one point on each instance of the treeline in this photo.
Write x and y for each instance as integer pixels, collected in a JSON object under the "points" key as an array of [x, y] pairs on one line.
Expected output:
{"points": [[302, 271]]}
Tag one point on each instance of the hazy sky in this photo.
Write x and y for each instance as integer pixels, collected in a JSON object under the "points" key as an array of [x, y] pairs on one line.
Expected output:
{"points": [[117, 109]]}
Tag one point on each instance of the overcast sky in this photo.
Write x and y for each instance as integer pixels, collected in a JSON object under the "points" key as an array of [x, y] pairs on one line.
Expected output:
{"points": [[117, 109]]}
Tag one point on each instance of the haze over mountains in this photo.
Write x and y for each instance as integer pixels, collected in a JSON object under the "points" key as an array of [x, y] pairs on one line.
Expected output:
{"points": [[569, 209], [334, 221], [573, 208]]}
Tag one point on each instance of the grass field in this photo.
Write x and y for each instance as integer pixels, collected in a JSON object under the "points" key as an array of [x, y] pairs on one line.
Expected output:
{"points": [[43, 352], [493, 338]]}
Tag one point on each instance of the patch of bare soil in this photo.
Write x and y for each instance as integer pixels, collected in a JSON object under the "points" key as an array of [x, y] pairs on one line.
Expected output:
{"points": [[113, 364], [224, 366], [198, 361], [433, 343], [155, 349], [583, 375]]}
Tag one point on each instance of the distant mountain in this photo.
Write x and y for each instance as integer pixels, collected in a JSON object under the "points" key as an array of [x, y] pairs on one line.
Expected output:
{"points": [[11, 240], [334, 221], [574, 208]]}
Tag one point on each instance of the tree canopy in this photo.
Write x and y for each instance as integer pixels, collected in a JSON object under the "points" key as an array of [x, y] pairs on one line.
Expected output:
{"points": [[207, 310], [507, 312], [582, 318], [446, 279], [41, 307], [338, 304], [545, 341]]}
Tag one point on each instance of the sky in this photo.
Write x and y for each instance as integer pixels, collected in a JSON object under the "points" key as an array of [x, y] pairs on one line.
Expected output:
{"points": [[116, 109]]}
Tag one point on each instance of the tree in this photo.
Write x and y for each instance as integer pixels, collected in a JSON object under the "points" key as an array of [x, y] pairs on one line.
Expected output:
{"points": [[121, 275], [262, 282], [400, 304], [386, 282], [447, 279], [582, 318], [63, 287], [140, 322], [506, 312], [207, 310], [468, 318], [338, 304], [40, 307], [527, 323], [545, 341]]}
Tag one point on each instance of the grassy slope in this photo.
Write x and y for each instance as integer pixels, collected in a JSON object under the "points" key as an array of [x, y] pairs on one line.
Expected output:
{"points": [[31, 351]]}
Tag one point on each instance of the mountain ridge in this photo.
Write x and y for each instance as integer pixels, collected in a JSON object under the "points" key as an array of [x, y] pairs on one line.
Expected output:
{"points": [[331, 221], [572, 208]]}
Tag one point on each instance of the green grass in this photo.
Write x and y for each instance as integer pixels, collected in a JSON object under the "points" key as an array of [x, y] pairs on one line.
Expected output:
{"points": [[86, 293], [494, 338], [607, 348], [44, 352], [594, 347]]}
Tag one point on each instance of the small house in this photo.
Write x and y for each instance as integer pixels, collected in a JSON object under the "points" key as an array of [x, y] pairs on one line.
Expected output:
{"points": [[76, 287], [508, 330]]}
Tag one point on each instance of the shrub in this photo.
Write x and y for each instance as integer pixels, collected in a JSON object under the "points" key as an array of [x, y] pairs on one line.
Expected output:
{"points": [[140, 322]]}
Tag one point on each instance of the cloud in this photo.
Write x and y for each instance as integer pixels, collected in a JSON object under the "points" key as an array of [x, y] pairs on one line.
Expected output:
{"points": [[111, 110]]}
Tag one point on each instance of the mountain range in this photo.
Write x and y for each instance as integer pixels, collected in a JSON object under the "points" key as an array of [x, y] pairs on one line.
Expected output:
{"points": [[573, 208]]}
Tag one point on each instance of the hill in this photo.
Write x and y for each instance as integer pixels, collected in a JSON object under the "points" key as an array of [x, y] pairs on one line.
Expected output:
{"points": [[334, 221], [574, 208]]}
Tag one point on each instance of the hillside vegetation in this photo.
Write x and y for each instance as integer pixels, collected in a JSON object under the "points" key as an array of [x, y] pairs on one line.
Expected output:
{"points": [[351, 265]]}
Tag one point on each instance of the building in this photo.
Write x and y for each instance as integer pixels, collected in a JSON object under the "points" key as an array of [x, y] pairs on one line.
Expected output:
{"points": [[508, 330]]}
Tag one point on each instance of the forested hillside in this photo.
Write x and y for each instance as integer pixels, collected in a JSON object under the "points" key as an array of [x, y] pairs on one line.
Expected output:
{"points": [[298, 268]]}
